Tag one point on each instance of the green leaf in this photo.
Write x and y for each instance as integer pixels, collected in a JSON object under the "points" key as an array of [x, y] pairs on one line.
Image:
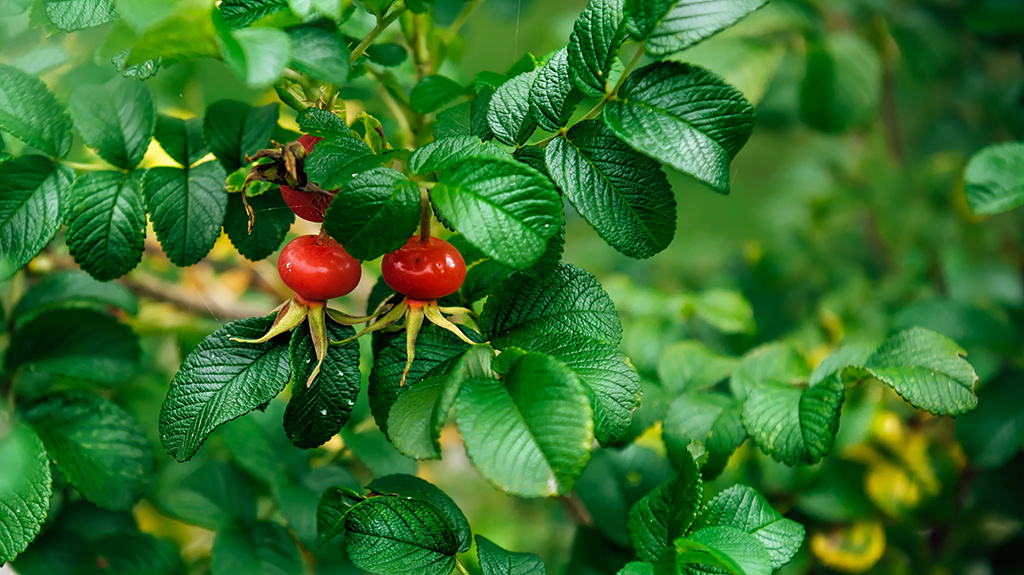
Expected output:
{"points": [[320, 53], [129, 553], [729, 548], [106, 223], [684, 116], [637, 568], [568, 300], [532, 434], [78, 343], [263, 548], [435, 347], [24, 488], [994, 432], [508, 115], [115, 119], [994, 180], [181, 139], [725, 310], [32, 191], [594, 44], [713, 419], [393, 535], [219, 381], [334, 504], [554, 96], [273, 219], [434, 92], [322, 123], [482, 278], [928, 370], [72, 15], [410, 486], [72, 288], [388, 54], [214, 495], [506, 209], [743, 508], [669, 26], [690, 365], [444, 153], [748, 64], [143, 14], [234, 130], [335, 161], [188, 34], [454, 121], [794, 425], [187, 208], [776, 361], [96, 444], [373, 449], [375, 213], [41, 60], [843, 361], [666, 513], [842, 85], [241, 13], [416, 418], [318, 412], [31, 113], [496, 561], [258, 56], [623, 194], [612, 384]]}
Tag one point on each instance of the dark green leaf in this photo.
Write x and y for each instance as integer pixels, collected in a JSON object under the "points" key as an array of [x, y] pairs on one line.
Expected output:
{"points": [[994, 432], [375, 213], [273, 218], [554, 96], [214, 495], [743, 508], [72, 15], [30, 112], [24, 488], [78, 343], [322, 123], [219, 381], [387, 54], [506, 209], [713, 419], [374, 450], [434, 92], [928, 370], [32, 191], [444, 153], [263, 548], [130, 553], [509, 114], [569, 300], [258, 56], [241, 13], [106, 224], [410, 486], [482, 278], [336, 161], [181, 139], [995, 179], [670, 26], [794, 425], [331, 510], [72, 288], [684, 116], [532, 434], [594, 44], [187, 208], [96, 444], [317, 412], [496, 561], [666, 513], [842, 85], [115, 119], [623, 194], [320, 53], [234, 130], [690, 365], [392, 535]]}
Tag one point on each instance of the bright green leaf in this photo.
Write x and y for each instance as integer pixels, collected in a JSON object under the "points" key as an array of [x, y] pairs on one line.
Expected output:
{"points": [[743, 508], [24, 488], [713, 549], [594, 44], [496, 561], [399, 536], [794, 424], [777, 362], [713, 419], [434, 92], [337, 160], [258, 56], [690, 365], [669, 26], [32, 191], [187, 208], [994, 180], [554, 96], [319, 52], [96, 444], [31, 113], [444, 153], [725, 310], [219, 381], [666, 513], [509, 114], [106, 223], [684, 116], [241, 13], [115, 119], [72, 15], [322, 123], [375, 213]]}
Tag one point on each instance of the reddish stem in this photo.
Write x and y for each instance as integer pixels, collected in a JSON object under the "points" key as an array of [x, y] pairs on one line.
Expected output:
{"points": [[424, 216]]}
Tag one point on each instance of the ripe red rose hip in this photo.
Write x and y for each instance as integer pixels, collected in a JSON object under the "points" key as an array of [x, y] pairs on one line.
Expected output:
{"points": [[317, 268], [307, 205], [424, 270]]}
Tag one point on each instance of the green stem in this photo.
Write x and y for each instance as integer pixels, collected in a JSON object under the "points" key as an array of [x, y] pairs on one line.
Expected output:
{"points": [[287, 97], [610, 94], [460, 19], [382, 24], [460, 568]]}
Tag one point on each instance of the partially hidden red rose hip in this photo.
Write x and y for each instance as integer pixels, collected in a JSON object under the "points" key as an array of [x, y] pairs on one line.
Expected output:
{"points": [[424, 270], [307, 205], [318, 268]]}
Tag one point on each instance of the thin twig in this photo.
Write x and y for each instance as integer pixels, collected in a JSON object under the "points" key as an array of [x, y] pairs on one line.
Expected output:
{"points": [[382, 24], [460, 19]]}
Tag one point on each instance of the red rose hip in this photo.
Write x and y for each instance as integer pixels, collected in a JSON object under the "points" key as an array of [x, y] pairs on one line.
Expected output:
{"points": [[307, 205], [424, 270], [317, 268]]}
